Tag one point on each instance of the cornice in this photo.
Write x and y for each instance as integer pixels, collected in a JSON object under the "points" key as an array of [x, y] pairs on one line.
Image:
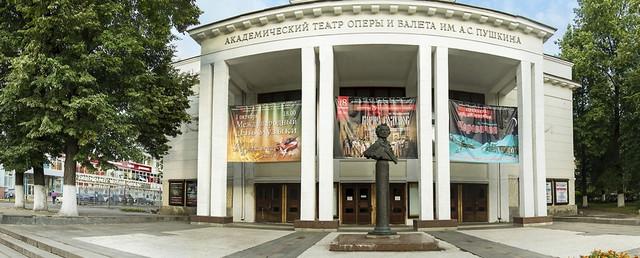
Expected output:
{"points": [[558, 60], [557, 81], [313, 10]]}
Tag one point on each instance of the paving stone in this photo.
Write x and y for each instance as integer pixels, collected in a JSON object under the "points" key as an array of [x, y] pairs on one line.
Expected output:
{"points": [[291, 245], [395, 243], [482, 247]]}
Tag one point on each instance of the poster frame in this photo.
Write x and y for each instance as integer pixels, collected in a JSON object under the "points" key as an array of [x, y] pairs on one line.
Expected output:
{"points": [[555, 191], [187, 202], [170, 200], [553, 196]]}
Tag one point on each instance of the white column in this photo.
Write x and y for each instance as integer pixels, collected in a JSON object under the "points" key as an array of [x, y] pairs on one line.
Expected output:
{"points": [[220, 120], [325, 127], [504, 195], [425, 133], [525, 142], [494, 194], [539, 151], [308, 146], [443, 181], [238, 187], [204, 140]]}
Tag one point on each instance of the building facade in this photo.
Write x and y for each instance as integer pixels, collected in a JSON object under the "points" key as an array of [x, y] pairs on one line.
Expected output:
{"points": [[140, 182], [317, 52]]}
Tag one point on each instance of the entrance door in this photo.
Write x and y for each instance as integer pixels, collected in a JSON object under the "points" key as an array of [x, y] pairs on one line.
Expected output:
{"points": [[356, 204], [469, 202], [455, 202], [397, 203], [293, 202], [474, 203], [268, 202]]}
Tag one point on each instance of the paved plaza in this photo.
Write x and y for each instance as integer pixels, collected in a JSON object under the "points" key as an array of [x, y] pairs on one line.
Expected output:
{"points": [[177, 239]]}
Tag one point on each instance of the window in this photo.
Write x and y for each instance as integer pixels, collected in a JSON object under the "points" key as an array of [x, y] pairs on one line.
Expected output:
{"points": [[467, 96], [414, 200], [279, 96], [372, 92]]}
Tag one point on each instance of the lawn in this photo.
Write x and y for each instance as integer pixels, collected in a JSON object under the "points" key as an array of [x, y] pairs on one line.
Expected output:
{"points": [[630, 207]]}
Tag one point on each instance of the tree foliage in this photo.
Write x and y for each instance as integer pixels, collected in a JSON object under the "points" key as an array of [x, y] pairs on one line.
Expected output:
{"points": [[17, 152], [603, 44], [93, 79]]}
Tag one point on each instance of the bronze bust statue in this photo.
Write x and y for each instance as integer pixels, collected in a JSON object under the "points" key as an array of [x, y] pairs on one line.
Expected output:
{"points": [[381, 149]]}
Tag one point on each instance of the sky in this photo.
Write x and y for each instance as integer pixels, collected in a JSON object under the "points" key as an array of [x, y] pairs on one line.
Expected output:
{"points": [[555, 13]]}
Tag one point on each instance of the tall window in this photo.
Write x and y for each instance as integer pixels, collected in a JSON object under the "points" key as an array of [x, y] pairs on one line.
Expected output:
{"points": [[470, 97], [372, 92], [279, 96]]}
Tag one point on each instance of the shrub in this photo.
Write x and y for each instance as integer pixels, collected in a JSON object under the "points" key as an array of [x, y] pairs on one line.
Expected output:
{"points": [[133, 210], [608, 254]]}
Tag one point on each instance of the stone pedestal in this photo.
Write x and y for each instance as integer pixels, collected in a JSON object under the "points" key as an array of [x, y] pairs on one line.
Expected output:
{"points": [[392, 243], [382, 200]]}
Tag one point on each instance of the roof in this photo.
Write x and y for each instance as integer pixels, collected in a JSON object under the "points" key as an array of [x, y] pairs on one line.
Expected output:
{"points": [[317, 1]]}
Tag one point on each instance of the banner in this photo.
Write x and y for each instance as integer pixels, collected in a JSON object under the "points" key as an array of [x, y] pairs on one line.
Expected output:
{"points": [[265, 132], [549, 193], [176, 192], [482, 134], [562, 192], [358, 118]]}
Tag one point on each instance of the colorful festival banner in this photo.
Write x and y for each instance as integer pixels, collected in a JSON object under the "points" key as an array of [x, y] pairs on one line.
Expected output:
{"points": [[265, 132], [357, 120], [482, 134]]}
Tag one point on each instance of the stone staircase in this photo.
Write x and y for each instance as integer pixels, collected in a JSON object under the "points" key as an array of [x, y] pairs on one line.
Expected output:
{"points": [[18, 243]]}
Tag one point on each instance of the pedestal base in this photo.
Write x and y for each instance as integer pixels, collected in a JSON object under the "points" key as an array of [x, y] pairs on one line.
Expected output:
{"points": [[371, 236], [385, 231], [394, 243]]}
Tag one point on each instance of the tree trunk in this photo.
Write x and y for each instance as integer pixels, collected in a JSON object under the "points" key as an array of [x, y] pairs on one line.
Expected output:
{"points": [[69, 196], [19, 190], [621, 200], [39, 190], [583, 176]]}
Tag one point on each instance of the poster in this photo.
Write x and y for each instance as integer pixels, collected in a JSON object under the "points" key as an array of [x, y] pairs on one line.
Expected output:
{"points": [[265, 132], [358, 118], [562, 192], [482, 134], [191, 193], [549, 193], [176, 193]]}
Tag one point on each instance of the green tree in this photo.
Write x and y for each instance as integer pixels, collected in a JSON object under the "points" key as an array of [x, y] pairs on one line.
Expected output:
{"points": [[96, 79], [17, 153], [603, 45]]}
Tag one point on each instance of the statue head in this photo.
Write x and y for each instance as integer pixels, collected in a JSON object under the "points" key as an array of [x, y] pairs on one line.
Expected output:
{"points": [[383, 131]]}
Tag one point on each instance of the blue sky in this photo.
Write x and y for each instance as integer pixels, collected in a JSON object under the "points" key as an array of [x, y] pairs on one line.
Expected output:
{"points": [[556, 13]]}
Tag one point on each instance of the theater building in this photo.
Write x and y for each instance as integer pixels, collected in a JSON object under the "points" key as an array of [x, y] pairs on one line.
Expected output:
{"points": [[289, 98]]}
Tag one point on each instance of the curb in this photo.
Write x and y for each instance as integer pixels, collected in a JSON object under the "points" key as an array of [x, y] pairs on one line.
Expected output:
{"points": [[599, 220], [60, 220]]}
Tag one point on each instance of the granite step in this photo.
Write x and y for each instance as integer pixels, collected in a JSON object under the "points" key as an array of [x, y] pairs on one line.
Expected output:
{"points": [[9, 253], [45, 245], [267, 226], [24, 248]]}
